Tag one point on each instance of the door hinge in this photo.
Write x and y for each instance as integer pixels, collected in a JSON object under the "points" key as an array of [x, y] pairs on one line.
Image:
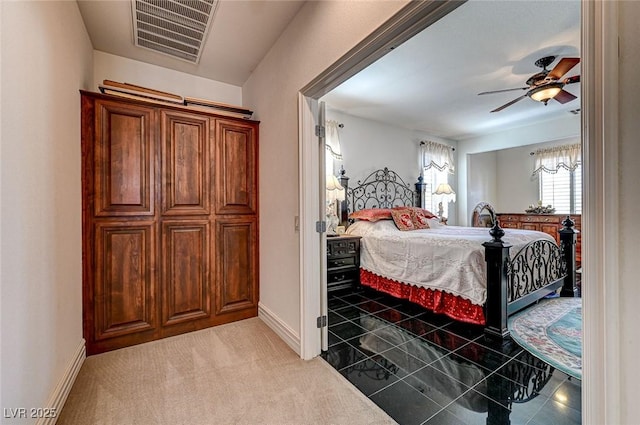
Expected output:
{"points": [[321, 226], [321, 321], [320, 131]]}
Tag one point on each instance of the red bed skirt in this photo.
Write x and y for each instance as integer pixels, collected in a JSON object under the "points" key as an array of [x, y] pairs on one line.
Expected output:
{"points": [[437, 301]]}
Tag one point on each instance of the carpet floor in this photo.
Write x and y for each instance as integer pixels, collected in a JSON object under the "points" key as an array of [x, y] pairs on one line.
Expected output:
{"points": [[239, 373]]}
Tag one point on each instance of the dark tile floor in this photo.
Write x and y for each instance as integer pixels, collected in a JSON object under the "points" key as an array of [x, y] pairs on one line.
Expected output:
{"points": [[423, 368]]}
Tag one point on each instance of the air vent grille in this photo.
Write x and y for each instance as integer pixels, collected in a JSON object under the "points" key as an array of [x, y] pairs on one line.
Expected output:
{"points": [[174, 27]]}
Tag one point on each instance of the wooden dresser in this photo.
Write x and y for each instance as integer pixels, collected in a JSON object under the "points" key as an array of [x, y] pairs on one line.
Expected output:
{"points": [[547, 223], [343, 262]]}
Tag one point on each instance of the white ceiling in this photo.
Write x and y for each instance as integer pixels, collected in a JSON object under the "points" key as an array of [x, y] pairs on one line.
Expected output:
{"points": [[430, 83], [241, 35]]}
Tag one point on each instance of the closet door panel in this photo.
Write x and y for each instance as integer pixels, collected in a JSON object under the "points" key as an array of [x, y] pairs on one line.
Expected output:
{"points": [[236, 187], [125, 160], [186, 289], [236, 265], [186, 164], [125, 278]]}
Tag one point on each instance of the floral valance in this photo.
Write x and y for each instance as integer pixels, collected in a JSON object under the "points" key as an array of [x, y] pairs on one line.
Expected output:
{"points": [[551, 160], [332, 140], [436, 155]]}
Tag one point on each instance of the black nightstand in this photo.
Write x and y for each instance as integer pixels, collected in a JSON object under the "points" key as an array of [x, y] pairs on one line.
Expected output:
{"points": [[343, 262]]}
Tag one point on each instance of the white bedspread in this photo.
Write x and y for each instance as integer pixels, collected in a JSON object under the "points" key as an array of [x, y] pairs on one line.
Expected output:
{"points": [[447, 258]]}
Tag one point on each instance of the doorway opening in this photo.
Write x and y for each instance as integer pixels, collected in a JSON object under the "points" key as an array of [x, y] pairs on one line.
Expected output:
{"points": [[596, 73]]}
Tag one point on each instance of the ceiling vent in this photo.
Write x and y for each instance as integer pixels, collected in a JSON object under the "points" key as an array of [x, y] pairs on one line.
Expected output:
{"points": [[176, 28]]}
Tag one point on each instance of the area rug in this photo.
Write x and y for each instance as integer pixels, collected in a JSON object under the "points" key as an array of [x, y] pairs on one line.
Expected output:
{"points": [[552, 331]]}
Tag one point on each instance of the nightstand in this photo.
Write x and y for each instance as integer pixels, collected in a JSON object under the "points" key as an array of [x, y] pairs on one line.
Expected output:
{"points": [[343, 262]]}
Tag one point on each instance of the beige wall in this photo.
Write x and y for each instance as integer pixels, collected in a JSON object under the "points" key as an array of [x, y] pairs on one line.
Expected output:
{"points": [[320, 33], [116, 68], [46, 59], [629, 155]]}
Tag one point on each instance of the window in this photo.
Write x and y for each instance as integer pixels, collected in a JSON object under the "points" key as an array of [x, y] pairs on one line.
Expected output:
{"points": [[562, 190], [437, 165], [432, 178]]}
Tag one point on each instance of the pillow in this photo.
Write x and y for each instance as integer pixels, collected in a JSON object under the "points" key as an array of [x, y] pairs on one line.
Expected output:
{"points": [[403, 219], [434, 223], [420, 219], [372, 214], [428, 213]]}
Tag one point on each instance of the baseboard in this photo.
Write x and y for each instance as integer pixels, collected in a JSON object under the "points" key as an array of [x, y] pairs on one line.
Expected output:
{"points": [[59, 396], [287, 334]]}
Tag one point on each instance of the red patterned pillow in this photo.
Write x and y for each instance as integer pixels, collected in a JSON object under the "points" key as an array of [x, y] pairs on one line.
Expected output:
{"points": [[372, 214], [427, 213], [403, 219], [420, 219]]}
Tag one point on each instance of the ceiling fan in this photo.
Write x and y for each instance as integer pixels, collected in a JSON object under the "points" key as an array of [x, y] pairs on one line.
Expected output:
{"points": [[547, 84]]}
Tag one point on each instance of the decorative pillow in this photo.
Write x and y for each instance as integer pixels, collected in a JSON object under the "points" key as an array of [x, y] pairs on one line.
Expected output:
{"points": [[427, 213], [372, 214], [420, 219], [403, 219]]}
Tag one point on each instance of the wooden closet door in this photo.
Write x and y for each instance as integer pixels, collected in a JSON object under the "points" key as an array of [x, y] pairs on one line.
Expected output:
{"points": [[236, 265], [125, 163], [125, 280], [236, 175], [186, 164], [186, 283], [119, 167]]}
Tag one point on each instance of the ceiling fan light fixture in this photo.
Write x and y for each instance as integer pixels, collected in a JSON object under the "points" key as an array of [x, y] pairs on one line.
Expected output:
{"points": [[546, 92]]}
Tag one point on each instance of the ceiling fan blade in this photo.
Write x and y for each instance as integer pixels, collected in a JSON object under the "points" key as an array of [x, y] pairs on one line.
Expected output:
{"points": [[502, 91], [563, 67], [510, 103], [564, 96], [571, 80]]}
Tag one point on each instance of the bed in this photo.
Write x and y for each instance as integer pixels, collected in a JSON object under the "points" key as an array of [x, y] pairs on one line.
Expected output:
{"points": [[475, 275]]}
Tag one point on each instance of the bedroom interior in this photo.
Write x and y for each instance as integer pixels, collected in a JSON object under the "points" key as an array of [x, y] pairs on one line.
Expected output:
{"points": [[42, 345], [498, 173]]}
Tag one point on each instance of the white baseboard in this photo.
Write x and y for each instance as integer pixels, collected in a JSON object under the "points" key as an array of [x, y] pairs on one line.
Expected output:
{"points": [[59, 396], [287, 334]]}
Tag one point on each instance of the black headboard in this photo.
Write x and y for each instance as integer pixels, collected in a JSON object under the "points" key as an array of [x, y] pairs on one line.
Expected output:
{"points": [[381, 189]]}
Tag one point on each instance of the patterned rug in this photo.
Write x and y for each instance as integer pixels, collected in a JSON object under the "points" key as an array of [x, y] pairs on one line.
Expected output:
{"points": [[552, 331]]}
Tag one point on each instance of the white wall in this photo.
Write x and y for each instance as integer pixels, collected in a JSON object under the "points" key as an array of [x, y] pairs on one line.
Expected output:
{"points": [[124, 70], [319, 35], [512, 189], [46, 59], [629, 208], [482, 186], [562, 128], [369, 145]]}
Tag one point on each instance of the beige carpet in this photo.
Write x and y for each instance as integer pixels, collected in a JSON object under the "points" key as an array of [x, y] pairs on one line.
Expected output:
{"points": [[240, 373]]}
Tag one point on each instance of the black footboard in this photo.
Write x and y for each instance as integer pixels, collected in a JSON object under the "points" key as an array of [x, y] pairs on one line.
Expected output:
{"points": [[538, 269]]}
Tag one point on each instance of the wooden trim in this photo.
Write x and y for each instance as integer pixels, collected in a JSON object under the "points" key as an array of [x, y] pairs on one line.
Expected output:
{"points": [[600, 282]]}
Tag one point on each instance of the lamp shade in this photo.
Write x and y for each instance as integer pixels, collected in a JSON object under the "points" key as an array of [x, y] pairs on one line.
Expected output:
{"points": [[544, 93], [445, 191], [335, 192]]}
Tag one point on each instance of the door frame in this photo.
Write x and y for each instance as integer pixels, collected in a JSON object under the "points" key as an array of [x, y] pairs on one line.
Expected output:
{"points": [[599, 37]]}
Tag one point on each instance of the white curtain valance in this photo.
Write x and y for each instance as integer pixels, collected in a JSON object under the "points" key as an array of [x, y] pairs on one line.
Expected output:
{"points": [[332, 140], [437, 155], [553, 159]]}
